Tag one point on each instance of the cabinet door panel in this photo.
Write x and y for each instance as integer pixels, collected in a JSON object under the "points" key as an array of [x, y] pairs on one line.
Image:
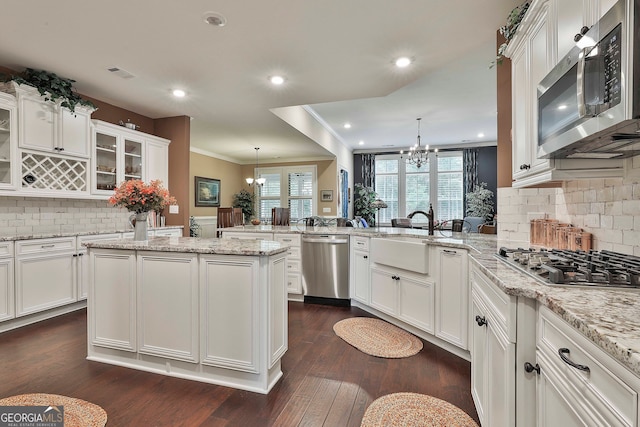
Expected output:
{"points": [[452, 297], [501, 355], [416, 303], [571, 16], [75, 132], [384, 291], [37, 128], [157, 162], [6, 289], [361, 276], [479, 363], [45, 282], [519, 105], [553, 408]]}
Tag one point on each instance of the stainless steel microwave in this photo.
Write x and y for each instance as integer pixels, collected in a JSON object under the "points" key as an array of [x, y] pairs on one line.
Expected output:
{"points": [[589, 104]]}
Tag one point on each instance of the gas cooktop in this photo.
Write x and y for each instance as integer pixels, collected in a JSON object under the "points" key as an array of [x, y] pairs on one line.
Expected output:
{"points": [[575, 268]]}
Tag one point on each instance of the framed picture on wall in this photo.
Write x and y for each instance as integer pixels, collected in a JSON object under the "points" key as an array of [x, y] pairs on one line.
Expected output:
{"points": [[326, 195], [207, 192]]}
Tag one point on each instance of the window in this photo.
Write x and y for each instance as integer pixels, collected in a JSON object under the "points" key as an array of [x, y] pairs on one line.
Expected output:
{"points": [[293, 187], [406, 188]]}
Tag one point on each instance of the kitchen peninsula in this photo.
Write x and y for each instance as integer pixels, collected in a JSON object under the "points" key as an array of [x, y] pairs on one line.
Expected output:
{"points": [[211, 310]]}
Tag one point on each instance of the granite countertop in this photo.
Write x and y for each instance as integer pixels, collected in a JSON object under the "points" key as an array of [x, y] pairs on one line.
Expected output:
{"points": [[609, 318], [4, 238], [195, 245]]}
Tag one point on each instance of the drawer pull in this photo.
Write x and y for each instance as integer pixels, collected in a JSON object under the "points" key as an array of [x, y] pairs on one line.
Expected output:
{"points": [[565, 359], [447, 251], [528, 367], [47, 246], [286, 240], [481, 321]]}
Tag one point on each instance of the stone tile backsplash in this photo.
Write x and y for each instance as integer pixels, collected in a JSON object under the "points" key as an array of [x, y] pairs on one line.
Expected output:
{"points": [[34, 215], [607, 208]]}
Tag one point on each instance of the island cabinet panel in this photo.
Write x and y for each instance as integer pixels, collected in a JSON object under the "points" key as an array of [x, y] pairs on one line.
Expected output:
{"points": [[112, 299], [167, 305], [229, 290], [277, 315]]}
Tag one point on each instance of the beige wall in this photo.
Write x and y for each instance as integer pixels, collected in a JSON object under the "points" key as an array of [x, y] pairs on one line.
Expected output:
{"points": [[327, 171], [230, 175]]}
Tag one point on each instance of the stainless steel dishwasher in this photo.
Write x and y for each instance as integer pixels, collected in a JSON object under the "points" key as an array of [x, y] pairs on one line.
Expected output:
{"points": [[325, 268]]}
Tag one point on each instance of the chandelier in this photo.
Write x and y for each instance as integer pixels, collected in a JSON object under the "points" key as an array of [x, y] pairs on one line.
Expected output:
{"points": [[418, 155], [259, 181]]}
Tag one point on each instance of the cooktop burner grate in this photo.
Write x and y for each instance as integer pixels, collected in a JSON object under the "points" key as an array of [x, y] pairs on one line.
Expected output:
{"points": [[576, 268]]}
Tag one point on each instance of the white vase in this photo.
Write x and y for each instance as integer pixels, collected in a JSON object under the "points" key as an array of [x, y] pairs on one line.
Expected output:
{"points": [[140, 232]]}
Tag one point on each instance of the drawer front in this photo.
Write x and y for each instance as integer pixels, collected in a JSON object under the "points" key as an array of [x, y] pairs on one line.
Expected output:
{"points": [[246, 236], [42, 246], [600, 386], [6, 249], [361, 243], [294, 283], [175, 232], [288, 239], [293, 253], [293, 266], [501, 307]]}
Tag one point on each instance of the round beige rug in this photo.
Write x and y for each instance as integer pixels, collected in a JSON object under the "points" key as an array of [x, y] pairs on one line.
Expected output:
{"points": [[414, 410], [77, 413], [377, 337]]}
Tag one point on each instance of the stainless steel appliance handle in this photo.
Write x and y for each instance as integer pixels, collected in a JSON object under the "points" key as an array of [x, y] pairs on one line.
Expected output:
{"points": [[324, 240], [582, 106]]}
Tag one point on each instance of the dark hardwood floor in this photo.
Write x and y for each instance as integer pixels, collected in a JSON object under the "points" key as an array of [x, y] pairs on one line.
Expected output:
{"points": [[326, 381]]}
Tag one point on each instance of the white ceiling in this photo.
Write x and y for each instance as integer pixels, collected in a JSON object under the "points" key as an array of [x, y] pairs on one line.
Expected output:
{"points": [[336, 55]]}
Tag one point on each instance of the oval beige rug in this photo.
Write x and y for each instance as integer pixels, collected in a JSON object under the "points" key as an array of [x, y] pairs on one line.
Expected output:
{"points": [[377, 337], [414, 410], [77, 412]]}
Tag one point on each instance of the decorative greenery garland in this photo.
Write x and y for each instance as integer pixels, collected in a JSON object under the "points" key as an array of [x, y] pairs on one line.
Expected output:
{"points": [[52, 87], [509, 30]]}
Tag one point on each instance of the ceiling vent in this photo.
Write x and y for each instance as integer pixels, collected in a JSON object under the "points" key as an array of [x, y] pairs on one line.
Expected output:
{"points": [[121, 73]]}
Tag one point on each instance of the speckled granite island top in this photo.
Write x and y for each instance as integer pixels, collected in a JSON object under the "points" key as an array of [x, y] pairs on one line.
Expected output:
{"points": [[195, 245], [609, 318], [5, 238]]}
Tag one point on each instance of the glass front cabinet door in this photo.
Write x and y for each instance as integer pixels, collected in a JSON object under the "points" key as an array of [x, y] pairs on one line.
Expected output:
{"points": [[8, 141], [118, 157]]}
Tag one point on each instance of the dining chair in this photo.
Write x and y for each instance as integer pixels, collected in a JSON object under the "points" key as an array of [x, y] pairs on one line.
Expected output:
{"points": [[487, 229], [472, 223], [224, 220], [280, 216], [238, 216]]}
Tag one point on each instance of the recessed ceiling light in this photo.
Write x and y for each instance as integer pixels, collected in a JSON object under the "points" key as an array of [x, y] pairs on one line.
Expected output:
{"points": [[361, 143], [403, 62], [481, 135], [276, 80], [215, 19], [562, 107], [347, 125], [179, 93]]}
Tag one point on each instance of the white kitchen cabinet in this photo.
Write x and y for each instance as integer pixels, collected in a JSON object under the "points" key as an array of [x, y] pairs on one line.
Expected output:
{"points": [[112, 290], [121, 154], [503, 337], [404, 295], [167, 284], [578, 383], [7, 296], [45, 275], [8, 141], [452, 296], [166, 232], [239, 235], [83, 261], [294, 261], [359, 274], [534, 51], [48, 127]]}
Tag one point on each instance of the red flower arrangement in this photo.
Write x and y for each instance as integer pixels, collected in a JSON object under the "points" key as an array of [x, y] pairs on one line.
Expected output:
{"points": [[139, 197]]}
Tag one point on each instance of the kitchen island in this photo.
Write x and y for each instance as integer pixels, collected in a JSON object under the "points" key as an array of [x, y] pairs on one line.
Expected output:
{"points": [[210, 310]]}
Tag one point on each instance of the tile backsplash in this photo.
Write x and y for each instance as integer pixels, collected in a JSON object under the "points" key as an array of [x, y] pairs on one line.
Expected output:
{"points": [[607, 208], [34, 215]]}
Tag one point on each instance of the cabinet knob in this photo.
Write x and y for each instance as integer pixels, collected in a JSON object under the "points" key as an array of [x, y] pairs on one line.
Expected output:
{"points": [[481, 321], [528, 367], [565, 359], [525, 166], [366, 257]]}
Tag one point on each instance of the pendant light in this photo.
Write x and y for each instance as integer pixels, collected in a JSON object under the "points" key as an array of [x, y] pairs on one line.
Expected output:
{"points": [[418, 155], [259, 181]]}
